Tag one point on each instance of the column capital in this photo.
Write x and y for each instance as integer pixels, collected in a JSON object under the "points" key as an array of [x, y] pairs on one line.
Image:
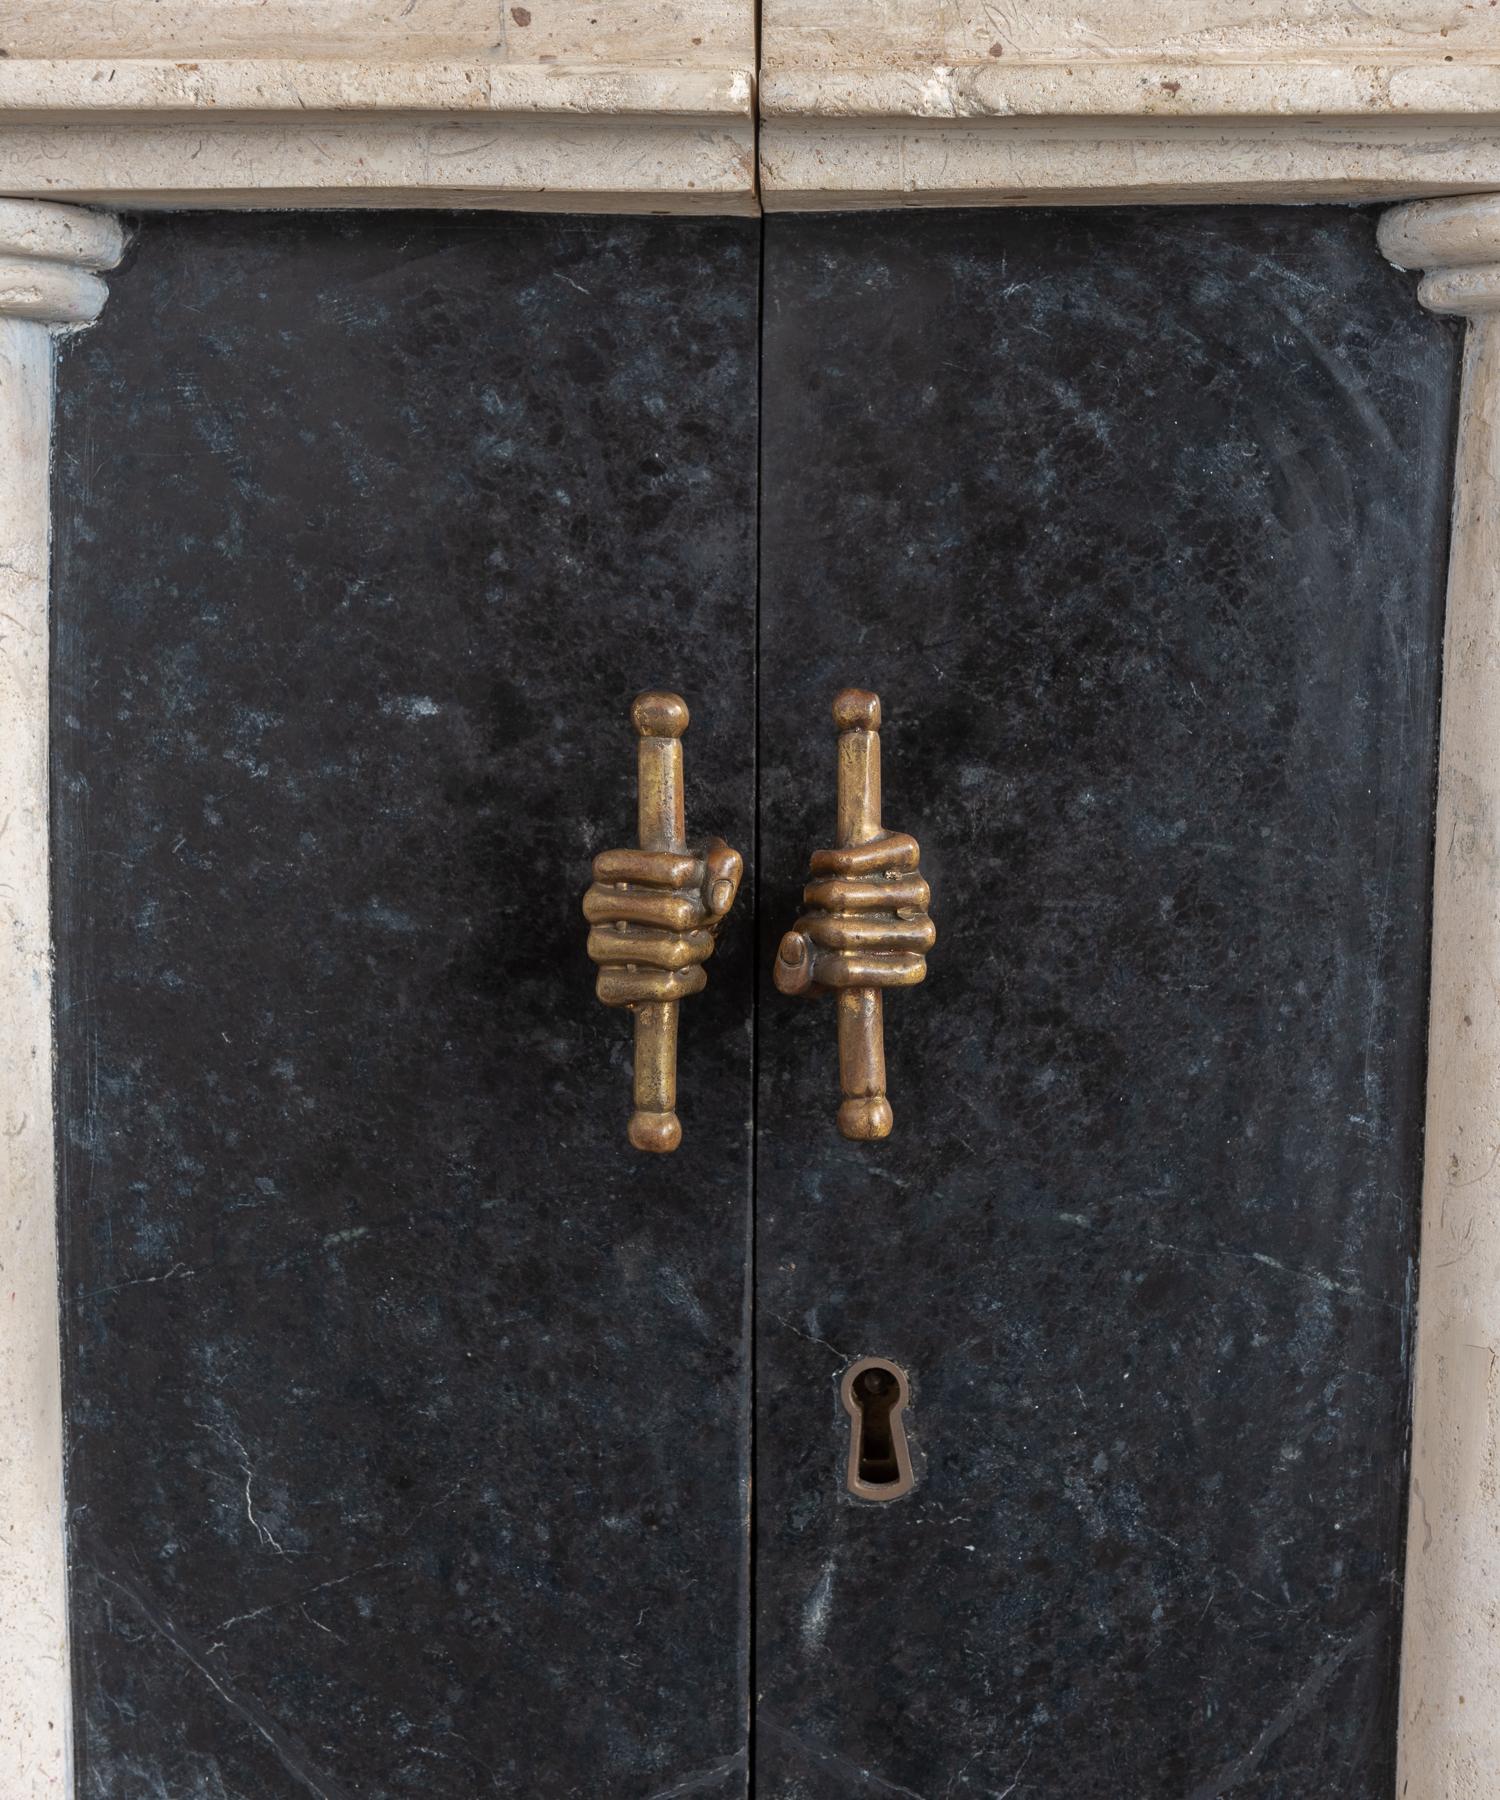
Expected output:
{"points": [[49, 261], [1456, 243]]}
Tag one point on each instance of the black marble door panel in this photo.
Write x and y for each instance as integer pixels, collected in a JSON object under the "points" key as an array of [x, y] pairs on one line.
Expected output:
{"points": [[1135, 522], [406, 1405]]}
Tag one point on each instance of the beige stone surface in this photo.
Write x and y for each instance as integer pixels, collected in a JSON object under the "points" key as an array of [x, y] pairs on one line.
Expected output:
{"points": [[990, 102], [640, 33], [651, 106], [598, 165], [1108, 131], [635, 105], [284, 132], [1161, 92], [62, 90], [34, 1737], [65, 234], [1450, 1683], [817, 163], [33, 1619], [832, 34], [648, 105]]}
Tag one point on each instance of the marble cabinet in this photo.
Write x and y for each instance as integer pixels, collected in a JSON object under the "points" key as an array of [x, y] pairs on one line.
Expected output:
{"points": [[424, 1439]]}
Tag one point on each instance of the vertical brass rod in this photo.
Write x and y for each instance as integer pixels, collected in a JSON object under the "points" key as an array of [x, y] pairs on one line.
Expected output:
{"points": [[858, 779], [865, 1113], [655, 1116], [660, 817], [660, 720]]}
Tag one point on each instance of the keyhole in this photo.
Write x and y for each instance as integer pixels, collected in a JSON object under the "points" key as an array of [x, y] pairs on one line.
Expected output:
{"points": [[875, 1393]]}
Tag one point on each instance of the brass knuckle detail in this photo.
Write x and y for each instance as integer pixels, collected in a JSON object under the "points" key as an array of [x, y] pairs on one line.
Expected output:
{"points": [[866, 926], [654, 914]]}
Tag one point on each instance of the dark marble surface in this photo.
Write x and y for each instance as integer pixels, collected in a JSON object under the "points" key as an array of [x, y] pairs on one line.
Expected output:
{"points": [[407, 1410], [406, 1406], [1135, 522]]}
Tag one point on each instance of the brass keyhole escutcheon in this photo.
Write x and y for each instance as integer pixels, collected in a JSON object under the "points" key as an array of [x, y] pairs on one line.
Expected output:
{"points": [[875, 1393]]}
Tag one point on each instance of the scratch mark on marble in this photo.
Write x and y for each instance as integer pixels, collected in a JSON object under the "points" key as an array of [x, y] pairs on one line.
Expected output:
{"points": [[427, 1506], [832, 1760], [1005, 1792], [292, 1756], [808, 1338], [1243, 1767], [263, 1531], [815, 1612], [1313, 1277], [301, 1595], [1318, 1279], [1213, 1569], [701, 1779], [177, 1272], [1350, 389]]}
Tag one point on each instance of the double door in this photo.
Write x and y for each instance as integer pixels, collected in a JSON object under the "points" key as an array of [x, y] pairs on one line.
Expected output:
{"points": [[426, 1439]]}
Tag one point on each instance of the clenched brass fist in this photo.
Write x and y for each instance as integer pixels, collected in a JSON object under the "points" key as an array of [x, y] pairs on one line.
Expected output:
{"points": [[866, 927], [866, 924], [655, 915]]}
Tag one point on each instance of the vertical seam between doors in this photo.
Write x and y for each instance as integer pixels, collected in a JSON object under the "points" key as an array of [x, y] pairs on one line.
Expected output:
{"points": [[752, 1271]]}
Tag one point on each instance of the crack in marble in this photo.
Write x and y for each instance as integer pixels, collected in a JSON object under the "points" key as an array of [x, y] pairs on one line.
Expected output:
{"points": [[700, 1780], [292, 1756], [1243, 1767]]}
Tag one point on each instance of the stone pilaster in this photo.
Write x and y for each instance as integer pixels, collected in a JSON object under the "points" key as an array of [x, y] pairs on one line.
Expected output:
{"points": [[49, 258], [1450, 1662]]}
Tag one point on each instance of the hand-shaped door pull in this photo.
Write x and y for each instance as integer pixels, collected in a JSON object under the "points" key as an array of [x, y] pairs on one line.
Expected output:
{"points": [[866, 928], [654, 913]]}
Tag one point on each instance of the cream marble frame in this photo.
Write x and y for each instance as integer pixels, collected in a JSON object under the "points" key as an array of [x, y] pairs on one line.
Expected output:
{"points": [[653, 107]]}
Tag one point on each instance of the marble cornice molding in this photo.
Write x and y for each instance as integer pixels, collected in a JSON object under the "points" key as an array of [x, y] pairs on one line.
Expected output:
{"points": [[691, 124], [328, 131], [1104, 130], [1170, 91]]}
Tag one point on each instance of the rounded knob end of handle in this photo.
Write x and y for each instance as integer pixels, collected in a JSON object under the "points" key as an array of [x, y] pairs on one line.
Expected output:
{"points": [[856, 710], [657, 1131], [866, 1119], [656, 715]]}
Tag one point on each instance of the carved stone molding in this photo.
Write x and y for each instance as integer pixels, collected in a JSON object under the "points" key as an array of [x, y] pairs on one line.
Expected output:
{"points": [[959, 103], [551, 105], [1095, 132], [1456, 243], [307, 132], [49, 258], [564, 114], [1450, 1684]]}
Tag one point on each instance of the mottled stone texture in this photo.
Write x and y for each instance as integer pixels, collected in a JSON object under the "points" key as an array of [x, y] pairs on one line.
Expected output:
{"points": [[1135, 522], [406, 1405]]}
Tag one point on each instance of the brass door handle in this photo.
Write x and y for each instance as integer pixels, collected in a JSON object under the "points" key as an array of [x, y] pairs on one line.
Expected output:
{"points": [[866, 927], [654, 913]]}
